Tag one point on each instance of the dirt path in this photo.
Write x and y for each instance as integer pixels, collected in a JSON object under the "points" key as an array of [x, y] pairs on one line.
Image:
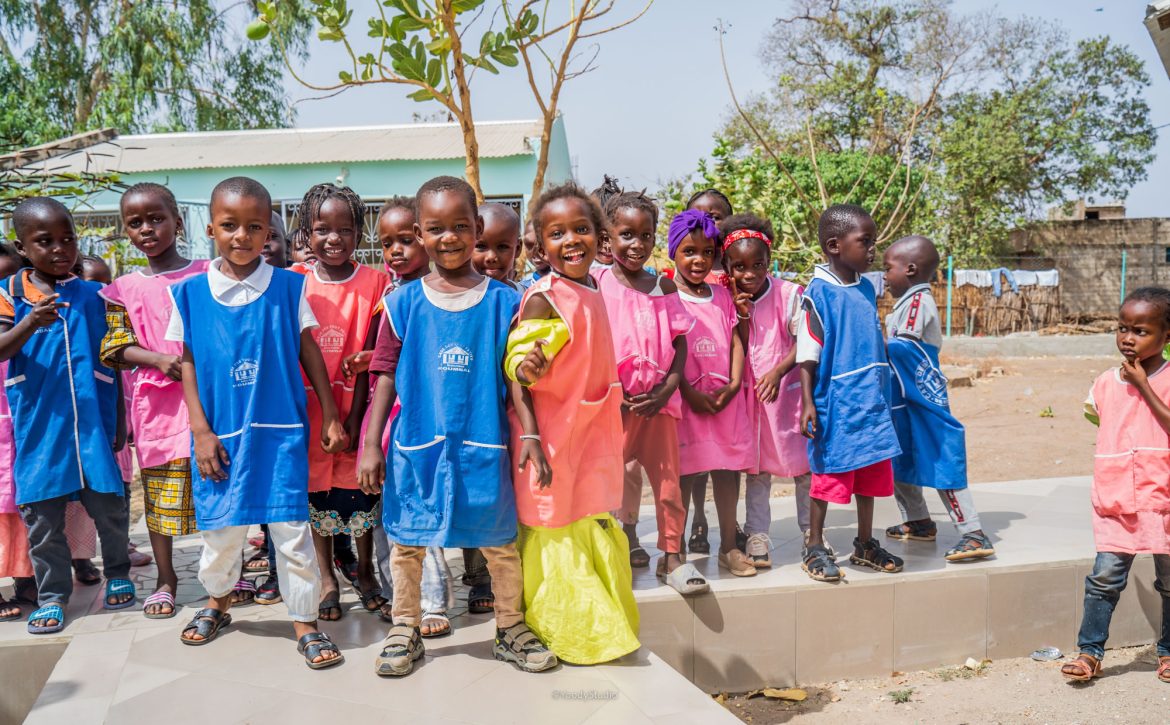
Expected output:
{"points": [[1008, 691]]}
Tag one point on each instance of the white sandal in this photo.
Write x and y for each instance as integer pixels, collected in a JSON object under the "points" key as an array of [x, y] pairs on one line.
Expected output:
{"points": [[679, 580]]}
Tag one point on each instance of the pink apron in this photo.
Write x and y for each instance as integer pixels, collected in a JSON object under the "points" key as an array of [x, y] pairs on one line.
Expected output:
{"points": [[578, 409], [156, 410], [724, 441], [7, 451], [783, 451], [644, 327]]}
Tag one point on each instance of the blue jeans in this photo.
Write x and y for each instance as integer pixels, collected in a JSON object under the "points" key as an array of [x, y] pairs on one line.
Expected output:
{"points": [[1103, 588]]}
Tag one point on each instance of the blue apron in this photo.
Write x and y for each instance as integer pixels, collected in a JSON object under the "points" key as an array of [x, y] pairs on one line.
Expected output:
{"points": [[934, 444], [448, 479], [854, 429], [247, 365], [64, 402]]}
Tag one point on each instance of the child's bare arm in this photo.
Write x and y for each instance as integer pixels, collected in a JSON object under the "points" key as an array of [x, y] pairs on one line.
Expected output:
{"points": [[738, 360], [361, 391], [13, 337], [209, 451], [332, 433], [808, 408], [768, 386], [531, 449], [1133, 372], [649, 404], [372, 467]]}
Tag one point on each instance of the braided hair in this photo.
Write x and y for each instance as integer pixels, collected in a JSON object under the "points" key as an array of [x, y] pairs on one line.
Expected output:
{"points": [[316, 197], [636, 200], [609, 188]]}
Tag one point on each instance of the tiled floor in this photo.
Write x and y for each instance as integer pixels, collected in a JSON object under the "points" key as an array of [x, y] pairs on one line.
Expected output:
{"points": [[125, 668]]}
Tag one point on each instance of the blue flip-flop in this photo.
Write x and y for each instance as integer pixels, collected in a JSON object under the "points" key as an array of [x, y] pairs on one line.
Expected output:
{"points": [[115, 587], [49, 611]]}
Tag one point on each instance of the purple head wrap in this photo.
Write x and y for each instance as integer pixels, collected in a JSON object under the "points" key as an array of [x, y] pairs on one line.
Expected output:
{"points": [[687, 222]]}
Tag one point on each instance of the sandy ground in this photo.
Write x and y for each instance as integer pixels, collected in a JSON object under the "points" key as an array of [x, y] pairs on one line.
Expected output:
{"points": [[1008, 691]]}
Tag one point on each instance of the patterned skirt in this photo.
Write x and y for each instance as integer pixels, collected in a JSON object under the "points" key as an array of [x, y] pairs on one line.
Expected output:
{"points": [[170, 508]]}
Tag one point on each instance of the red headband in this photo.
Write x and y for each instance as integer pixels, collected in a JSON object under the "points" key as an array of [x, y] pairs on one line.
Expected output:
{"points": [[739, 234]]}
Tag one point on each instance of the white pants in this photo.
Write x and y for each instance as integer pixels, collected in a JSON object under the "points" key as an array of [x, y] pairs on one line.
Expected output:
{"points": [[222, 560], [757, 502]]}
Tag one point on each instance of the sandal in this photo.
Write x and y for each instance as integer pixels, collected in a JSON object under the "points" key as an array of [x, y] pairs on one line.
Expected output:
{"points": [[402, 646], [736, 562], [1164, 669], [371, 597], [313, 644], [116, 588], [698, 543], [685, 579], [480, 599], [820, 566], [159, 598], [257, 564], [324, 609], [243, 593], [517, 644], [206, 623], [13, 609], [871, 554], [974, 545], [269, 592], [639, 558], [43, 614], [1085, 667], [913, 531], [444, 625], [86, 572]]}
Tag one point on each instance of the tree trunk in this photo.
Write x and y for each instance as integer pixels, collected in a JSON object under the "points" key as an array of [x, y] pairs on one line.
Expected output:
{"points": [[466, 119]]}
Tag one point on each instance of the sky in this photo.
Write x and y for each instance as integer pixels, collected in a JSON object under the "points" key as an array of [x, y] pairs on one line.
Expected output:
{"points": [[657, 97]]}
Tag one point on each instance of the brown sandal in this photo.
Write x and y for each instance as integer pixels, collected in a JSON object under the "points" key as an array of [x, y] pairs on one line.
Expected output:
{"points": [[1085, 667], [1164, 669]]}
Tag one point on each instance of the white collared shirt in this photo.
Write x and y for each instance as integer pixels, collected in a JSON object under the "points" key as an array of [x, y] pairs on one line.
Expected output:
{"points": [[236, 293], [808, 345]]}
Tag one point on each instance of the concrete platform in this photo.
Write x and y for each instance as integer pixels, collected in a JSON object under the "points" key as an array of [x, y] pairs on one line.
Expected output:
{"points": [[778, 628]]}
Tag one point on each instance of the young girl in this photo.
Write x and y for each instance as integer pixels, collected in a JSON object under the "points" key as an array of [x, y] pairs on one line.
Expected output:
{"points": [[578, 592], [137, 314], [649, 326], [1131, 503], [714, 437], [344, 296], [717, 206], [767, 307]]}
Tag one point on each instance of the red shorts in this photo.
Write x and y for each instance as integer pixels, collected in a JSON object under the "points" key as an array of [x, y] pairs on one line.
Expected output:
{"points": [[875, 480]]}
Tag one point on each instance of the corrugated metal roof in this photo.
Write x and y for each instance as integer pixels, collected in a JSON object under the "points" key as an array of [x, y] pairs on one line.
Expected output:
{"points": [[234, 149]]}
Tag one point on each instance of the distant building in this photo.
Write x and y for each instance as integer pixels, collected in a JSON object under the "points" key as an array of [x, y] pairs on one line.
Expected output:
{"points": [[1083, 210], [1158, 23], [377, 162]]}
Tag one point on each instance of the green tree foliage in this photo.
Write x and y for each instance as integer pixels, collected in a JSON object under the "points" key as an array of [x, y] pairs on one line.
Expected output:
{"points": [[72, 65], [958, 126]]}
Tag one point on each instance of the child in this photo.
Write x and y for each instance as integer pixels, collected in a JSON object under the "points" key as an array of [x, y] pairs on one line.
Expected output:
{"points": [[609, 188], [402, 252], [246, 333], [64, 409], [934, 448], [1131, 505], [649, 326], [344, 297], [495, 251], [768, 313], [840, 348], [578, 594], [717, 206], [448, 460], [713, 435], [534, 257], [301, 252], [137, 307], [275, 251]]}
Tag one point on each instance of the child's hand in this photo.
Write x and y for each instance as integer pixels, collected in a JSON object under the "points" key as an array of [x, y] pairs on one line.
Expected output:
{"points": [[533, 366], [743, 300], [372, 470], [353, 429], [334, 439], [649, 404], [724, 395], [531, 451], [44, 312], [170, 365], [210, 456], [768, 386], [1133, 373], [357, 363], [700, 402], [808, 422]]}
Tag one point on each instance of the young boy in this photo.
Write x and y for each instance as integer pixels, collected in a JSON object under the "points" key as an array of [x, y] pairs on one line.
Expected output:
{"points": [[495, 250], [440, 350], [64, 410], [246, 333], [845, 382], [934, 446], [534, 255]]}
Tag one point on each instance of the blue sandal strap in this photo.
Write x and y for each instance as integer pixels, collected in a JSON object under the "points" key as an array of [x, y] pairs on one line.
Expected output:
{"points": [[49, 611], [120, 586]]}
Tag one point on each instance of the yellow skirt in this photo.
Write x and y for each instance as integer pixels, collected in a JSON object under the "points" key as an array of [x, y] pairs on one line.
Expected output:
{"points": [[578, 589]]}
